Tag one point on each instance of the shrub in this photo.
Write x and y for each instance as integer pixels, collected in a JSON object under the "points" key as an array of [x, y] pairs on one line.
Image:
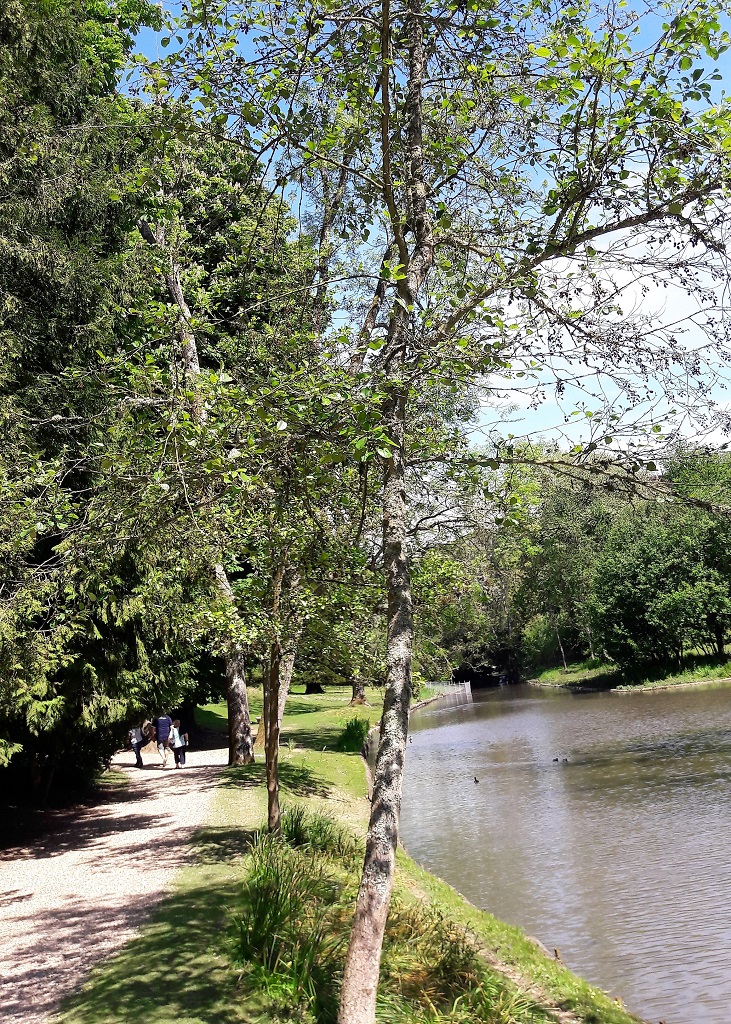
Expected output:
{"points": [[353, 735], [285, 933]]}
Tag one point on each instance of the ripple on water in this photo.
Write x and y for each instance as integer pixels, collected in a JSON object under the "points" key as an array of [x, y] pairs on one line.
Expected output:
{"points": [[620, 857]]}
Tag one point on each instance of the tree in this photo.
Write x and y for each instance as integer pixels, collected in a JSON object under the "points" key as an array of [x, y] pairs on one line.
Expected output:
{"points": [[445, 123], [64, 278], [661, 587]]}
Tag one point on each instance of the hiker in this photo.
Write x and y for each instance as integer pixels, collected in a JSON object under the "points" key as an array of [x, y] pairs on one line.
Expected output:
{"points": [[178, 741], [163, 725], [138, 741]]}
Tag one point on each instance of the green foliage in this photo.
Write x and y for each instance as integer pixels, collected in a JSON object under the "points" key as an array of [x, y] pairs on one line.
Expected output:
{"points": [[626, 578], [292, 927], [540, 642], [662, 587], [353, 735]]}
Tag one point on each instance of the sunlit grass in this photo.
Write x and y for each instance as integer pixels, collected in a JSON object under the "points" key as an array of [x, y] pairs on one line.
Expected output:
{"points": [[698, 668]]}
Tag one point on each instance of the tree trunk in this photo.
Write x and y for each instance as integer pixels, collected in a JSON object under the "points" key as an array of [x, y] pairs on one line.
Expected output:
{"points": [[271, 716], [720, 637], [362, 963], [240, 740], [240, 746], [360, 978], [560, 647], [313, 688], [286, 671], [359, 693], [261, 729]]}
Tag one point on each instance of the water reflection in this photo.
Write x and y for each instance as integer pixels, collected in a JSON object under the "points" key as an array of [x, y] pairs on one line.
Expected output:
{"points": [[619, 856]]}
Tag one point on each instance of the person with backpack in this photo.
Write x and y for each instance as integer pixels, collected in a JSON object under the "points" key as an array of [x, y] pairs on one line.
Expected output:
{"points": [[138, 741], [163, 728], [178, 741]]}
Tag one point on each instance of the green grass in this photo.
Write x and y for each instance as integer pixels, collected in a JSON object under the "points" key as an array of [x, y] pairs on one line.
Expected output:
{"points": [[514, 949], [580, 672], [698, 668], [112, 780], [229, 946]]}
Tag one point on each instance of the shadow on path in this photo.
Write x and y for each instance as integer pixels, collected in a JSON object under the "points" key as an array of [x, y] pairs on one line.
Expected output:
{"points": [[172, 972], [80, 892]]}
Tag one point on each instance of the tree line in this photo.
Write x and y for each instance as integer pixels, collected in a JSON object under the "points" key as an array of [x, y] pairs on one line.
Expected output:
{"points": [[584, 570], [256, 298]]}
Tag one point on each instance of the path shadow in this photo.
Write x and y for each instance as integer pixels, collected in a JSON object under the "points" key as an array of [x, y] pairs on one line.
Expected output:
{"points": [[51, 833], [218, 845], [174, 971], [299, 780]]}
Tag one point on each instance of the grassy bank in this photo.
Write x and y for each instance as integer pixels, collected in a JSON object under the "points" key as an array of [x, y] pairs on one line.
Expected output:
{"points": [[255, 931], [595, 675]]}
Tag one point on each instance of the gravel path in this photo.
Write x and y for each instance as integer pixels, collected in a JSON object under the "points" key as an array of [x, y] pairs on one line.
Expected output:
{"points": [[79, 894]]}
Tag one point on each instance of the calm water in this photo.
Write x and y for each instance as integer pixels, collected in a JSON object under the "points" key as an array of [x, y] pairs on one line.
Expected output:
{"points": [[621, 857]]}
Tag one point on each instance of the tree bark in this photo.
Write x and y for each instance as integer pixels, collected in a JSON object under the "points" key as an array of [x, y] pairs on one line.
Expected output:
{"points": [[360, 978], [560, 647], [286, 672], [720, 636], [240, 740], [359, 692], [271, 716], [362, 964]]}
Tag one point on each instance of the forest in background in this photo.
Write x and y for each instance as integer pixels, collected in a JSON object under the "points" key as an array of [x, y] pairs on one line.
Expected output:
{"points": [[263, 301]]}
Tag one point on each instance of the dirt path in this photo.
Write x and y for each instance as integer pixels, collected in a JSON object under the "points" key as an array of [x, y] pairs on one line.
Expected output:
{"points": [[77, 895]]}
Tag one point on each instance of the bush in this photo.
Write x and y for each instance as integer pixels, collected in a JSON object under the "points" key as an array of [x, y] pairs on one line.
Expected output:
{"points": [[540, 644], [353, 735]]}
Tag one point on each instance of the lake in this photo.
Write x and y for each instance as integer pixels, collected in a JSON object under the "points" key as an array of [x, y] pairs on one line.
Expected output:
{"points": [[620, 855]]}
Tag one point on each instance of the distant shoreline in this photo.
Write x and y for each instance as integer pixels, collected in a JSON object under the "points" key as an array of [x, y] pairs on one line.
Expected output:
{"points": [[578, 687]]}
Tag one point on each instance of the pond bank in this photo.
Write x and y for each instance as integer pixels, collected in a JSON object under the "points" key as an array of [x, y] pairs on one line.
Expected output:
{"points": [[587, 678], [181, 967], [632, 688]]}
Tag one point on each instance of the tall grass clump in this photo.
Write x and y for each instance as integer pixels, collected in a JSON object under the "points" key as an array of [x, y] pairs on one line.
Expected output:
{"points": [[354, 735], [287, 937], [293, 926], [432, 973], [302, 828]]}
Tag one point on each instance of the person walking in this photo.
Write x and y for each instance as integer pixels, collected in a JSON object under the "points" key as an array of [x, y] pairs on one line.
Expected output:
{"points": [[163, 727], [178, 741], [137, 739]]}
